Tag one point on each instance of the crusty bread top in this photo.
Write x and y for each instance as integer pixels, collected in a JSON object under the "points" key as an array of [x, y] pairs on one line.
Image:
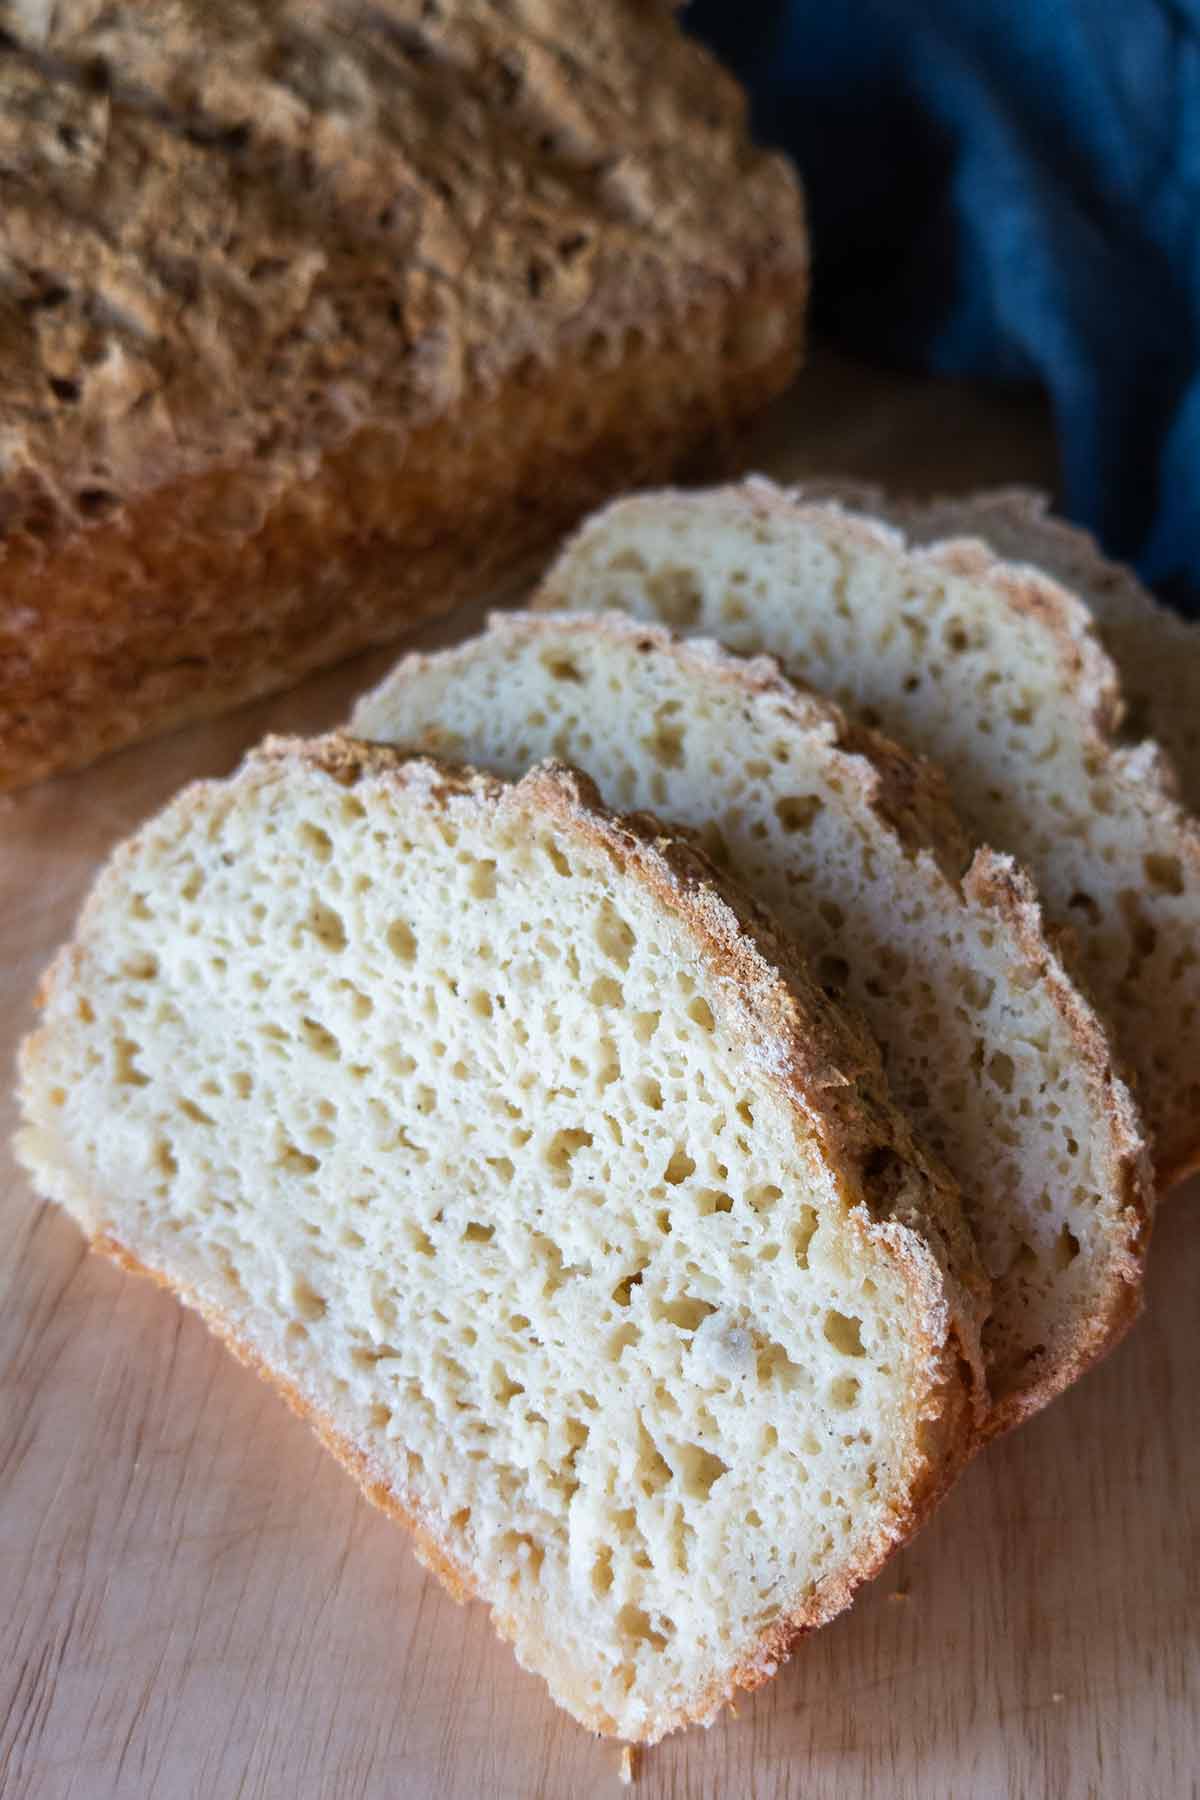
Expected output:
{"points": [[234, 233]]}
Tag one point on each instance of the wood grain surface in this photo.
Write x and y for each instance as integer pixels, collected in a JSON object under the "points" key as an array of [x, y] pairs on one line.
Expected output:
{"points": [[194, 1600]]}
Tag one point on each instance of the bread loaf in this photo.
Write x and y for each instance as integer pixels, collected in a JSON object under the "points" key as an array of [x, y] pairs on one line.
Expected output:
{"points": [[992, 669], [317, 320], [527, 1164], [852, 846]]}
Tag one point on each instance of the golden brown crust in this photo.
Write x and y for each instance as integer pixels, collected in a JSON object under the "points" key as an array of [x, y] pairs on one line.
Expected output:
{"points": [[238, 235], [316, 323], [162, 616], [1000, 884]]}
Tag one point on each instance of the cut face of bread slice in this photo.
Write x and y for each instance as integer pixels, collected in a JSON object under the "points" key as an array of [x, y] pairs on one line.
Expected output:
{"points": [[1156, 652], [851, 845], [494, 1134], [993, 670]]}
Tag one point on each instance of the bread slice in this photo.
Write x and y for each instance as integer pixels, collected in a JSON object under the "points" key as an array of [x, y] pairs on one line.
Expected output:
{"points": [[526, 1164], [852, 846], [992, 669], [1156, 651]]}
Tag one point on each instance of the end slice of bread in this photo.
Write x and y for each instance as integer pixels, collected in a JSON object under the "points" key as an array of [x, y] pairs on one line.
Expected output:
{"points": [[851, 844], [526, 1164], [996, 672], [1156, 651]]}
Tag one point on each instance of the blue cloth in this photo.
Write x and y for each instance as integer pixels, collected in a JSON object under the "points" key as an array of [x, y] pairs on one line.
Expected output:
{"points": [[1010, 189]]}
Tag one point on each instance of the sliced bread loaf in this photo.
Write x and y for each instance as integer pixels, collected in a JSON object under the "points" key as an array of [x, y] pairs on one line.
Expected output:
{"points": [[497, 1136], [852, 846], [992, 669]]}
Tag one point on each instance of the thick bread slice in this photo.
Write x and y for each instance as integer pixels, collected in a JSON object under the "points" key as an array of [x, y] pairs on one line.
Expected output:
{"points": [[851, 844], [992, 669], [491, 1130], [1156, 651]]}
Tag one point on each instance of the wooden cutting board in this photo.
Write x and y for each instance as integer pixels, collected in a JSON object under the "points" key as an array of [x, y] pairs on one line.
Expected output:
{"points": [[194, 1601]]}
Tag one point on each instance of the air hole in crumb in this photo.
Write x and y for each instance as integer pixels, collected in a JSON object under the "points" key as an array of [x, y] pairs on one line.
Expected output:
{"points": [[319, 1040], [685, 1314], [844, 1332], [400, 940], [483, 879], [1164, 873], [479, 1234], [560, 667], [803, 1233], [298, 1162], [676, 595], [649, 1092], [796, 812], [327, 926], [318, 843], [563, 1146], [713, 1200], [1002, 1071], [1066, 1248], [635, 1625], [606, 991], [623, 1292], [665, 744], [613, 936], [763, 1196], [679, 1167], [308, 1303], [126, 1072], [699, 1470], [843, 1392], [701, 1012], [602, 1575], [195, 1113]]}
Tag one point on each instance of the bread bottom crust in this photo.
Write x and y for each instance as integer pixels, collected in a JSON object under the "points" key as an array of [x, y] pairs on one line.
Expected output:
{"points": [[174, 611]]}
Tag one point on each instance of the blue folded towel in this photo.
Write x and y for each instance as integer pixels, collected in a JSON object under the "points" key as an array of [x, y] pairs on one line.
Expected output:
{"points": [[1011, 189]]}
